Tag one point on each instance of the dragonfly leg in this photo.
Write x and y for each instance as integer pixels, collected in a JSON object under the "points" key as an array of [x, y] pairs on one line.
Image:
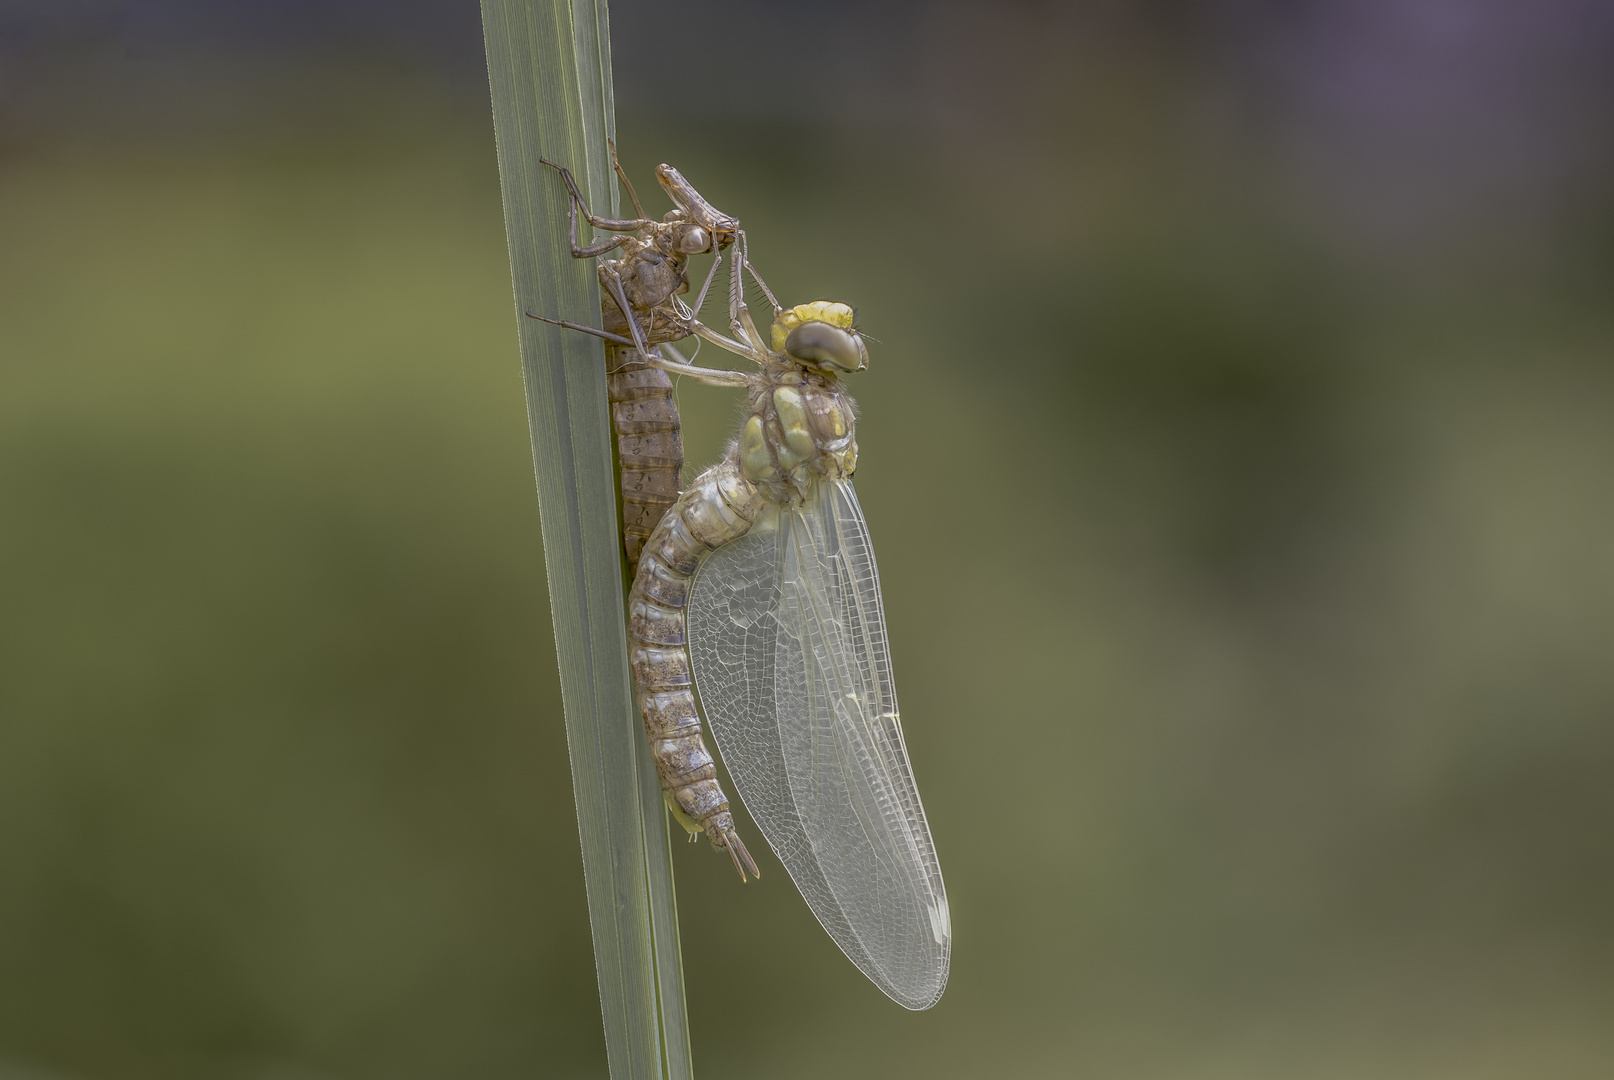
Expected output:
{"points": [[599, 247], [706, 333], [745, 258], [613, 281], [700, 300], [713, 376], [736, 293], [740, 323], [615, 339], [709, 376], [609, 224], [622, 175]]}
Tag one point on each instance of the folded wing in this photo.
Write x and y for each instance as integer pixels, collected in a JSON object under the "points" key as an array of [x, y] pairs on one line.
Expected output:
{"points": [[787, 638]]}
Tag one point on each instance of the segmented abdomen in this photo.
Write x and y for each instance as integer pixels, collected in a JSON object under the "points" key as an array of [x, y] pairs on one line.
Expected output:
{"points": [[650, 444], [717, 509]]}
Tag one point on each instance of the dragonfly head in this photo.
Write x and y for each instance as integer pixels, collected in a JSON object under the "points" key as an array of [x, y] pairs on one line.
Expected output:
{"points": [[820, 335]]}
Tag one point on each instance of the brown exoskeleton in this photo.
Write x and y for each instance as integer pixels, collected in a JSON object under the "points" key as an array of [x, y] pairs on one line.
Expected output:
{"points": [[640, 306]]}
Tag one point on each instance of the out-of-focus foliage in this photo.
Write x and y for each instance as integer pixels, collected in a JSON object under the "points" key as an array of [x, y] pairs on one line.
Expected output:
{"points": [[1236, 447]]}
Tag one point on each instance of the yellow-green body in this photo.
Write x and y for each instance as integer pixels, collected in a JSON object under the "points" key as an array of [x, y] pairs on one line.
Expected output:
{"points": [[800, 426]]}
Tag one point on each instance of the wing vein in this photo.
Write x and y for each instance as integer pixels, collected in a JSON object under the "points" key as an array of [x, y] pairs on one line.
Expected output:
{"points": [[788, 642]]}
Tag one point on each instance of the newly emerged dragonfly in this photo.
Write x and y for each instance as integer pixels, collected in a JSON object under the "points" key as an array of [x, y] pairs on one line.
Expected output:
{"points": [[758, 591], [640, 305]]}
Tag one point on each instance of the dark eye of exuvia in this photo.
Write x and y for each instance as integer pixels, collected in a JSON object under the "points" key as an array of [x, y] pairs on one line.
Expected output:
{"points": [[694, 240]]}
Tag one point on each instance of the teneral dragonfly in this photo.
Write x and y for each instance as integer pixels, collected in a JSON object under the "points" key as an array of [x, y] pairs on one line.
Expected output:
{"points": [[640, 306], [759, 591]]}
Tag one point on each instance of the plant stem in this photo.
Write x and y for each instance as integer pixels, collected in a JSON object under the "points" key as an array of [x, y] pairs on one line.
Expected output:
{"points": [[549, 68]]}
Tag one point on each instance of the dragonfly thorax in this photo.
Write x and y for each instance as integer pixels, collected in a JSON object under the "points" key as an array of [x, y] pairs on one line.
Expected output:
{"points": [[800, 427]]}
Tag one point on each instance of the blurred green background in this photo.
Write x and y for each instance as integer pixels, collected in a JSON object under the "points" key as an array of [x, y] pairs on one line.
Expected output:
{"points": [[1238, 445]]}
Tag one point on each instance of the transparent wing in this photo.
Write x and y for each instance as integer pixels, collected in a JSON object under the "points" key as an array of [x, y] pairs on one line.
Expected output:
{"points": [[787, 638]]}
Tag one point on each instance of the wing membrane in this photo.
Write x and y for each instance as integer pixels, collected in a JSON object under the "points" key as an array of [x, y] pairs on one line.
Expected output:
{"points": [[787, 638]]}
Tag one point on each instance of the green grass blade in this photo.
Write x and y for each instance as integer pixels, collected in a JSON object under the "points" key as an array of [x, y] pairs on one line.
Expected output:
{"points": [[549, 69]]}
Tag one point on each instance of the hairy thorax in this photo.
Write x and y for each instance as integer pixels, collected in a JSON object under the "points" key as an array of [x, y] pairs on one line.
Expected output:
{"points": [[800, 426]]}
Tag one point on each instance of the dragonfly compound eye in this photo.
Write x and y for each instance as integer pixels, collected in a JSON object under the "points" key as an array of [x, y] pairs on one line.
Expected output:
{"points": [[694, 240], [823, 345]]}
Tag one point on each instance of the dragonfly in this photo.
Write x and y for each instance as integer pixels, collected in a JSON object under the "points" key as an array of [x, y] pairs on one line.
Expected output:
{"points": [[758, 591], [641, 306]]}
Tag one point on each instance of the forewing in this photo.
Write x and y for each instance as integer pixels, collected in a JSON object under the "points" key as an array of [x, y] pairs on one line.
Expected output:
{"points": [[787, 637]]}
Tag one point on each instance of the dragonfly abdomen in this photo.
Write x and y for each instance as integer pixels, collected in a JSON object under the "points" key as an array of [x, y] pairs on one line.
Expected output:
{"points": [[716, 510]]}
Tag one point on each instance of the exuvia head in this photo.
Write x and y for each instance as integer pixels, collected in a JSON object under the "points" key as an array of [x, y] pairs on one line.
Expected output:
{"points": [[722, 228], [820, 335]]}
